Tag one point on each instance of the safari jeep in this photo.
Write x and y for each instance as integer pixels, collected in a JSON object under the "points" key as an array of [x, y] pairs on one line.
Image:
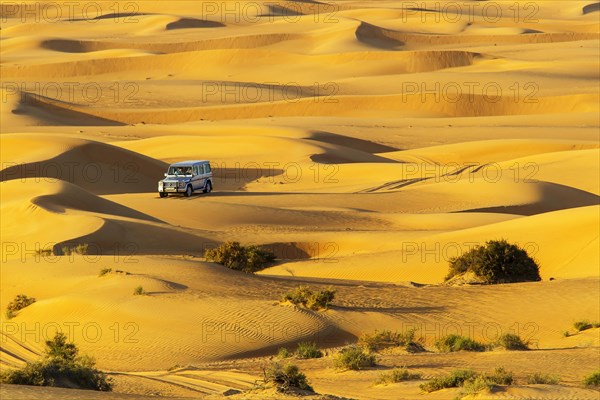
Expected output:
{"points": [[186, 177]]}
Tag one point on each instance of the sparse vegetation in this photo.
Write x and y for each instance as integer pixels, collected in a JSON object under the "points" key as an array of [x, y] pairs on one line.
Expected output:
{"points": [[105, 271], [396, 375], [510, 341], [453, 343], [20, 302], [385, 339], [61, 366], [284, 353], [455, 378], [542, 379], [139, 291], [585, 325], [44, 252], [303, 295], [592, 379], [500, 377], [354, 358], [476, 385], [496, 262], [286, 378], [471, 381], [308, 350], [81, 248], [233, 255]]}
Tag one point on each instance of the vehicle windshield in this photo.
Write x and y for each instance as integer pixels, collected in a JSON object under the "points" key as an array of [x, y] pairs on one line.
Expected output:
{"points": [[187, 170]]}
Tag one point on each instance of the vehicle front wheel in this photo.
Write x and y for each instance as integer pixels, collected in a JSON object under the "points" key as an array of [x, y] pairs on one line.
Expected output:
{"points": [[163, 194], [208, 187], [188, 191]]}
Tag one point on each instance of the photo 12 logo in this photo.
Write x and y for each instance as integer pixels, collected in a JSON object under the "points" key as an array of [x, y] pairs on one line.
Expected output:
{"points": [[70, 11], [88, 332], [470, 11]]}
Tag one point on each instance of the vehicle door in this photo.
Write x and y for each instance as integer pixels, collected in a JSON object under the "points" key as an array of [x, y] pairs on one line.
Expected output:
{"points": [[197, 176]]}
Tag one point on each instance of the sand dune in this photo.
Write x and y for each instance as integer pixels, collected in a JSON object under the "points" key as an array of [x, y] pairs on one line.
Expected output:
{"points": [[364, 143], [97, 167]]}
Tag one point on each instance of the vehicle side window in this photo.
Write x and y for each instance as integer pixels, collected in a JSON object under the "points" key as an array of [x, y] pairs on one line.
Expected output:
{"points": [[207, 168], [196, 170]]}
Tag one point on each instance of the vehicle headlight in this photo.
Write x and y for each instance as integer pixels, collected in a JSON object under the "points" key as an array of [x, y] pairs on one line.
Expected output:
{"points": [[180, 184]]}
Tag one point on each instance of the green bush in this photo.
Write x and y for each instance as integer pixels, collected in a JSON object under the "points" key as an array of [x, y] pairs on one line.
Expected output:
{"points": [[233, 255], [542, 379], [385, 339], [471, 381], [105, 271], [354, 358], [476, 385], [286, 378], [496, 262], [585, 325], [302, 295], [284, 353], [510, 341], [139, 291], [456, 378], [62, 367], [453, 343], [500, 377], [20, 302], [592, 379], [308, 350], [396, 375]]}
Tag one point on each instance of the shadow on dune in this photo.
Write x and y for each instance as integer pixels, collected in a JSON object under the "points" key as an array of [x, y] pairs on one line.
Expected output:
{"points": [[129, 240], [392, 310], [590, 8], [97, 167], [48, 111], [188, 23], [554, 197], [350, 142], [376, 37]]}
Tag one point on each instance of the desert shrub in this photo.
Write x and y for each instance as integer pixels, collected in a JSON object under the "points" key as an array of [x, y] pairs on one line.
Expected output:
{"points": [[105, 271], [308, 350], [81, 248], [455, 378], [233, 255], [321, 299], [471, 381], [20, 302], [283, 353], [453, 343], [496, 262], [592, 379], [303, 295], [138, 291], [396, 375], [380, 340], [354, 358], [510, 341], [585, 325], [500, 377], [476, 385], [286, 377], [61, 366], [542, 379]]}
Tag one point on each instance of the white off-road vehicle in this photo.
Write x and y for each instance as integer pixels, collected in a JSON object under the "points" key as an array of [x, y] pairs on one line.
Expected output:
{"points": [[186, 177]]}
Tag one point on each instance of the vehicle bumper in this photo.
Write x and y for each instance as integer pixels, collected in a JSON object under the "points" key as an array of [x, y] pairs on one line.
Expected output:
{"points": [[172, 190]]}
